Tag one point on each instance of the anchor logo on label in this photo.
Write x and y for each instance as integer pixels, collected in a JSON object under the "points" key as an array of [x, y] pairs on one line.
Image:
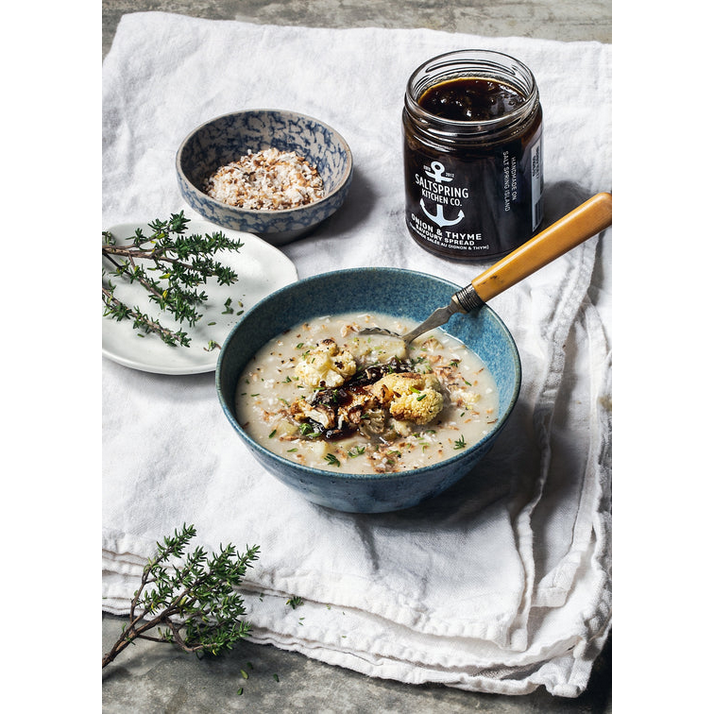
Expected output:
{"points": [[439, 217], [437, 174]]}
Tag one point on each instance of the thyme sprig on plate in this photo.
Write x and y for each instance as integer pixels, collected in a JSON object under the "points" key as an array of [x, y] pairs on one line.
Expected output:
{"points": [[170, 265], [192, 601]]}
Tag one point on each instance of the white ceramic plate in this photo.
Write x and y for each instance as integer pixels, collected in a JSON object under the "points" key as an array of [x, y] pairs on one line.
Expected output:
{"points": [[261, 269]]}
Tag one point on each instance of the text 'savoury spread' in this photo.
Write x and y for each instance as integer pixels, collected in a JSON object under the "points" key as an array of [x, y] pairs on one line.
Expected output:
{"points": [[472, 128]]}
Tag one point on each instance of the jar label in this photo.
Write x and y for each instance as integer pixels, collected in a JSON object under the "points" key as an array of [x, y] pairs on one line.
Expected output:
{"points": [[474, 207], [537, 185]]}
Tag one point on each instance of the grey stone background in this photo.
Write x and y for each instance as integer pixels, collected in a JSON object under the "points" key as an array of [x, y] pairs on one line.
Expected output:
{"points": [[566, 20]]}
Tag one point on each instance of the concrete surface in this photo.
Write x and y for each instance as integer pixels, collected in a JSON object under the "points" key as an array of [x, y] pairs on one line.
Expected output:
{"points": [[566, 20], [156, 678]]}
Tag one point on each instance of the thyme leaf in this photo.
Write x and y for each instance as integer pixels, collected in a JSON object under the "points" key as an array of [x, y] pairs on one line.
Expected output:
{"points": [[332, 460], [460, 443]]}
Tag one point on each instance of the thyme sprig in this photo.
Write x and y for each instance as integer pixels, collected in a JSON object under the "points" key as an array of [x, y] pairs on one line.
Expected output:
{"points": [[183, 263], [460, 443], [191, 601]]}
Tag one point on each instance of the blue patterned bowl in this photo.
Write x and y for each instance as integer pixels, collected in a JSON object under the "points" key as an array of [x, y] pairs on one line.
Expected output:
{"points": [[393, 291], [226, 138]]}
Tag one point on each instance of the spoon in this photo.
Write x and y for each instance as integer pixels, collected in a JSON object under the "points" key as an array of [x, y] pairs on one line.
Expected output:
{"points": [[574, 228]]}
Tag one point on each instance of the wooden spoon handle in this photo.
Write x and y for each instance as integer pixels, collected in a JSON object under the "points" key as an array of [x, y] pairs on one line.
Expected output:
{"points": [[572, 229]]}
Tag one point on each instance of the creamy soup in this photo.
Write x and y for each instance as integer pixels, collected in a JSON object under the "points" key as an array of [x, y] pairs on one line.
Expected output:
{"points": [[325, 396]]}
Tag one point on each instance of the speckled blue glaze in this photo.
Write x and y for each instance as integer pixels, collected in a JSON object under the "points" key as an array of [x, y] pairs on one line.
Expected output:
{"points": [[393, 291], [226, 138]]}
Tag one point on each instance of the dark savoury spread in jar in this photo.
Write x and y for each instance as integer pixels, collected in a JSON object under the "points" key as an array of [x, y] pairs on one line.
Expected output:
{"points": [[472, 126]]}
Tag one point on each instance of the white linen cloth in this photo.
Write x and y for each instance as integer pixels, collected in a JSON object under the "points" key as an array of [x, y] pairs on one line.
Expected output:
{"points": [[503, 583]]}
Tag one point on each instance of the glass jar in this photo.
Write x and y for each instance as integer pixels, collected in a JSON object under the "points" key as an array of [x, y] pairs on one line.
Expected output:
{"points": [[472, 127]]}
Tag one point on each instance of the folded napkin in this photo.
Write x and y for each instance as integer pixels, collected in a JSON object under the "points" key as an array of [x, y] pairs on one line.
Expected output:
{"points": [[503, 583]]}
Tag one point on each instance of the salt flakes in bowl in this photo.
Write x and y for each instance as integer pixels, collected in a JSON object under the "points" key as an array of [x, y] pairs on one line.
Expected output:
{"points": [[266, 180]]}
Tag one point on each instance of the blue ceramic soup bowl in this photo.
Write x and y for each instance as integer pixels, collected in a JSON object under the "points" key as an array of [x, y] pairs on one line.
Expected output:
{"points": [[394, 291], [226, 138]]}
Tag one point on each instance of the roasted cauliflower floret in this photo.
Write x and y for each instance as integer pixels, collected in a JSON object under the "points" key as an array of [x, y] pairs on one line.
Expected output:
{"points": [[420, 408], [410, 396], [325, 365]]}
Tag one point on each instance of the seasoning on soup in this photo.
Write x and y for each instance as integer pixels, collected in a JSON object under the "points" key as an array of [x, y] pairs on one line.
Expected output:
{"points": [[325, 396]]}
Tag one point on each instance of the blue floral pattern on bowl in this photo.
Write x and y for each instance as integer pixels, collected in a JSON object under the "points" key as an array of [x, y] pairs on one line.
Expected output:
{"points": [[226, 138]]}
